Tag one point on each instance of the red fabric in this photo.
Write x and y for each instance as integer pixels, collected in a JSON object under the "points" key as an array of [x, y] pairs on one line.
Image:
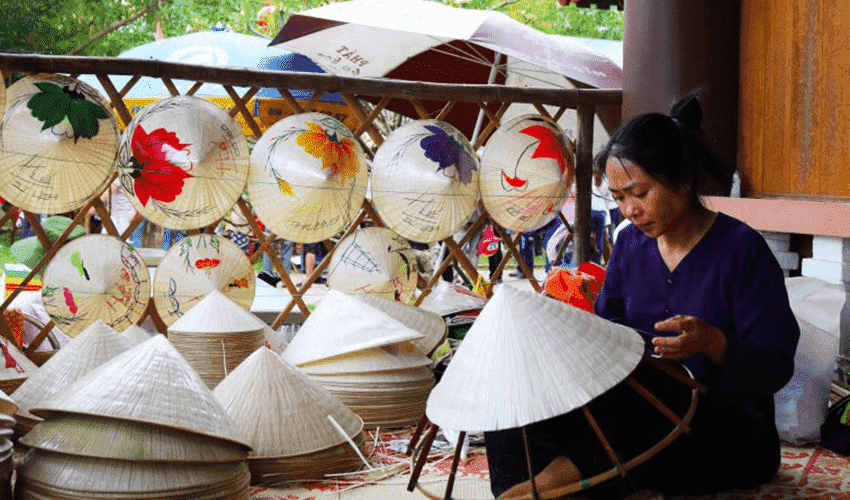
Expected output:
{"points": [[577, 287]]}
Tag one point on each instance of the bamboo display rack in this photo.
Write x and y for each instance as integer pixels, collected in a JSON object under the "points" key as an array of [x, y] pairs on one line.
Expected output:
{"points": [[492, 100]]}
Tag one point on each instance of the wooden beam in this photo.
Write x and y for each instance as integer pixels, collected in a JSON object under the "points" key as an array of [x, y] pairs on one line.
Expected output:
{"points": [[783, 215]]}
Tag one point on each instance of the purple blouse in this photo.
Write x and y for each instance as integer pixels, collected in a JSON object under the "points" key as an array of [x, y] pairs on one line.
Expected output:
{"points": [[731, 280]]}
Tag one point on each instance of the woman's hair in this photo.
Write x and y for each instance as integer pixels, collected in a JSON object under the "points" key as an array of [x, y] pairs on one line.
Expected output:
{"points": [[668, 148]]}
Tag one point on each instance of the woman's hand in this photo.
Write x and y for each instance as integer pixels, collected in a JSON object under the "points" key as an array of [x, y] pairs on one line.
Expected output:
{"points": [[695, 336]]}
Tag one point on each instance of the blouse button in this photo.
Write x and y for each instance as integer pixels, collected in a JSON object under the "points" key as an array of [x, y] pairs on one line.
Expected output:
{"points": [[669, 281]]}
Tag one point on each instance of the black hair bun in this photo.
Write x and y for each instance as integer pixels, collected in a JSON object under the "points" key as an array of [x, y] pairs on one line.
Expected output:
{"points": [[688, 111]]}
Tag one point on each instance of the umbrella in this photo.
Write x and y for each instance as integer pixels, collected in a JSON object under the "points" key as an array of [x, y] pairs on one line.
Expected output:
{"points": [[427, 41], [57, 145], [184, 162], [224, 49]]}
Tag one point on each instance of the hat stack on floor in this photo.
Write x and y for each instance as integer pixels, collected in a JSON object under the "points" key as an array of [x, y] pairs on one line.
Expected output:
{"points": [[8, 407], [96, 345], [215, 336], [143, 425], [15, 367], [365, 358], [298, 429]]}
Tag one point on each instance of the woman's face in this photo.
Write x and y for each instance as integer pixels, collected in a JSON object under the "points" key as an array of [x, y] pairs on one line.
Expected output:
{"points": [[653, 206]]}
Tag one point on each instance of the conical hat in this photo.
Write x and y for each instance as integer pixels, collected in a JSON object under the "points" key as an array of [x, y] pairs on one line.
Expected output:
{"points": [[197, 265], [15, 367], [411, 376], [391, 357], [135, 334], [308, 177], [447, 298], [342, 324], [432, 326], [528, 358], [216, 313], [374, 260], [8, 406], [526, 171], [425, 180], [184, 162], [95, 277], [58, 144], [96, 345], [149, 383], [99, 437], [281, 411], [68, 476]]}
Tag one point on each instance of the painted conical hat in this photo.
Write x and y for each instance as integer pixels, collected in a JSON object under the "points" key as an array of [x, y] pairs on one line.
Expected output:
{"points": [[15, 367], [135, 334], [526, 172], [308, 177], [95, 277], [58, 144], [184, 162], [197, 265], [425, 180], [374, 260], [390, 357], [431, 325], [528, 358], [216, 313], [96, 345], [149, 383], [342, 324], [281, 411]]}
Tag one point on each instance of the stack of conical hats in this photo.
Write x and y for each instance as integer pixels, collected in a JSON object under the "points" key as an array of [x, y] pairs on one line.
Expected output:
{"points": [[432, 326], [8, 407], [15, 367], [143, 425], [97, 344], [298, 429], [215, 336], [365, 358]]}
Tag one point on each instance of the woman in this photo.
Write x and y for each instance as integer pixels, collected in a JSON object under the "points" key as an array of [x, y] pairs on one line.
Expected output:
{"points": [[705, 291]]}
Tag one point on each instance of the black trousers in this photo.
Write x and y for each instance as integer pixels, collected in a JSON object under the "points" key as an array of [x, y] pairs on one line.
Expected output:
{"points": [[726, 448]]}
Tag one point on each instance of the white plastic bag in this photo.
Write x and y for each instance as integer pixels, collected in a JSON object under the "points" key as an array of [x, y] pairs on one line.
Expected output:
{"points": [[802, 404]]}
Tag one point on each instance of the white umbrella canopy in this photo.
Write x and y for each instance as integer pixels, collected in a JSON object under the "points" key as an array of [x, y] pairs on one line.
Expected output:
{"points": [[95, 277], [526, 172], [58, 143], [184, 162], [425, 180], [308, 177], [427, 41], [194, 267]]}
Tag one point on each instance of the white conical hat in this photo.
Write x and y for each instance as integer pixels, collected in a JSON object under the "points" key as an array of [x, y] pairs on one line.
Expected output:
{"points": [[184, 162], [431, 325], [96, 345], [374, 260], [197, 265], [280, 410], [216, 313], [95, 277], [149, 383], [135, 334], [15, 367], [308, 177], [102, 437], [526, 172], [391, 357], [528, 358], [58, 144], [425, 180], [447, 298], [342, 324]]}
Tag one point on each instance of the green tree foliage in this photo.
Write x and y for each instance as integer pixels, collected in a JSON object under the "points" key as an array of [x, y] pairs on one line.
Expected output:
{"points": [[109, 27]]}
